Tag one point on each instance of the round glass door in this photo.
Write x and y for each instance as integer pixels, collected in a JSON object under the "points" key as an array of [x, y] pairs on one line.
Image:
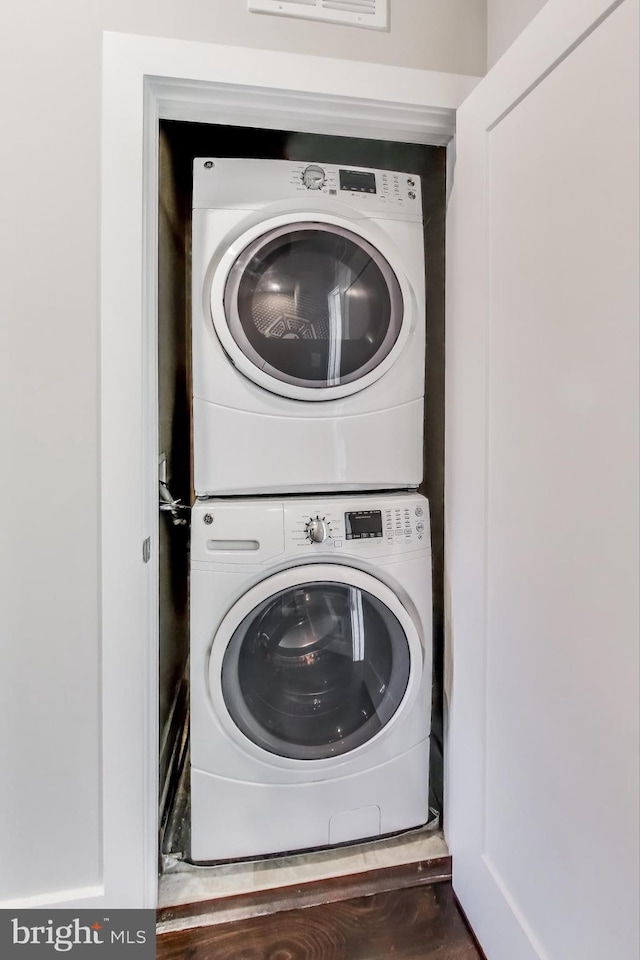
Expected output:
{"points": [[313, 305], [315, 670]]}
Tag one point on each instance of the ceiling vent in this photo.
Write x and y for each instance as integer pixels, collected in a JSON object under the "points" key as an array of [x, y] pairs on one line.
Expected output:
{"points": [[358, 13]]}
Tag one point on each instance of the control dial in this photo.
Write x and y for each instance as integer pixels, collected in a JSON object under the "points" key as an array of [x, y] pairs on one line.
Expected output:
{"points": [[317, 529], [313, 177]]}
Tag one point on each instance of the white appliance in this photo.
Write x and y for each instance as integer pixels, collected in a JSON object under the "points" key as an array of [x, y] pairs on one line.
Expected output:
{"points": [[310, 671], [308, 328]]}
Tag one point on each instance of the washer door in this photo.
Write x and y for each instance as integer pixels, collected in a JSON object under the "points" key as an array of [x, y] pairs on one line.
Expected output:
{"points": [[315, 662], [310, 310]]}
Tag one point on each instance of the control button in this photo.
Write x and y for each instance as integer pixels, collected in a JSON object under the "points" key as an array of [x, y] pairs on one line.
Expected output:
{"points": [[412, 195], [337, 543], [420, 527], [411, 182], [418, 511], [317, 529], [313, 177]]}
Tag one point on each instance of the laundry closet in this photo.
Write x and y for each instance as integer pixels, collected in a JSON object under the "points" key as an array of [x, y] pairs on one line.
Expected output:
{"points": [[540, 597], [361, 515]]}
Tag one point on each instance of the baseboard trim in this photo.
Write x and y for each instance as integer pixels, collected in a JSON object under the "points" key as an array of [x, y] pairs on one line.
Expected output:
{"points": [[293, 897], [55, 898]]}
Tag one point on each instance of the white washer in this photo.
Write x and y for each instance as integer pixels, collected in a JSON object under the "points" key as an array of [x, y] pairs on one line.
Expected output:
{"points": [[308, 328], [310, 671]]}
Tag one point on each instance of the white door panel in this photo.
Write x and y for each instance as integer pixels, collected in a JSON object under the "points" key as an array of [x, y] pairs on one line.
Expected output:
{"points": [[542, 502]]}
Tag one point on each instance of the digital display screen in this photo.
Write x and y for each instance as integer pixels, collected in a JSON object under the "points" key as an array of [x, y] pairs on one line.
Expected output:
{"points": [[363, 524], [358, 181]]}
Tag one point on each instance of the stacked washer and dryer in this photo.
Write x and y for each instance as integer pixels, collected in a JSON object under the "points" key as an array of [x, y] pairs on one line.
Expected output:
{"points": [[310, 585]]}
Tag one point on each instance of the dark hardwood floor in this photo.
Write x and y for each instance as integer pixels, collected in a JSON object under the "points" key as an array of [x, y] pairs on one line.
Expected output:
{"points": [[418, 923]]}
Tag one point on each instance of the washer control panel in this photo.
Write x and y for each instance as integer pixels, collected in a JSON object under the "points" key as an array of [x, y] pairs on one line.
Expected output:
{"points": [[390, 524], [259, 531]]}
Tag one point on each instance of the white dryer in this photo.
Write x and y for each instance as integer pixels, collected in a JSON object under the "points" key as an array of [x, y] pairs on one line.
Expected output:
{"points": [[310, 672], [308, 328]]}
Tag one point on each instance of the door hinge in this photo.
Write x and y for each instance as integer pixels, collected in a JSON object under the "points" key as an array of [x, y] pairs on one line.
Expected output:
{"points": [[180, 513], [146, 550]]}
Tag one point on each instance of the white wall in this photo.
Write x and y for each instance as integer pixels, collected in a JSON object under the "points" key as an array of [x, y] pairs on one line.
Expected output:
{"points": [[49, 547], [506, 19], [435, 34]]}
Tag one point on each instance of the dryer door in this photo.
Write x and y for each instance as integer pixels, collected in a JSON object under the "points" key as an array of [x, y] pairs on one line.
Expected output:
{"points": [[308, 309], [314, 662]]}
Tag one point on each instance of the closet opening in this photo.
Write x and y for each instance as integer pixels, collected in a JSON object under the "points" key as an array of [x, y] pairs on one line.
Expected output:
{"points": [[181, 881]]}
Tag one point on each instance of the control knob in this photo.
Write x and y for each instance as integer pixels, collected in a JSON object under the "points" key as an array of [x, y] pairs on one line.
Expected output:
{"points": [[313, 177], [317, 529]]}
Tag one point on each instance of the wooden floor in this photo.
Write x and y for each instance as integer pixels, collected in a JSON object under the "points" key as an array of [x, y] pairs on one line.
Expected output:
{"points": [[419, 923]]}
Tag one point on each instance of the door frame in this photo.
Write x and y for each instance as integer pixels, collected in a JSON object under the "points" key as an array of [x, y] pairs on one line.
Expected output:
{"points": [[146, 79]]}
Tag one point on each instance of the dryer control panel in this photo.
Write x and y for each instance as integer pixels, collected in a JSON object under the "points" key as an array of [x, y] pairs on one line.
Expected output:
{"points": [[252, 184], [367, 188]]}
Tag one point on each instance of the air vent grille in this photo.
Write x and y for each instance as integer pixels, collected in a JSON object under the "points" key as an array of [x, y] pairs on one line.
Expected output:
{"points": [[359, 13]]}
